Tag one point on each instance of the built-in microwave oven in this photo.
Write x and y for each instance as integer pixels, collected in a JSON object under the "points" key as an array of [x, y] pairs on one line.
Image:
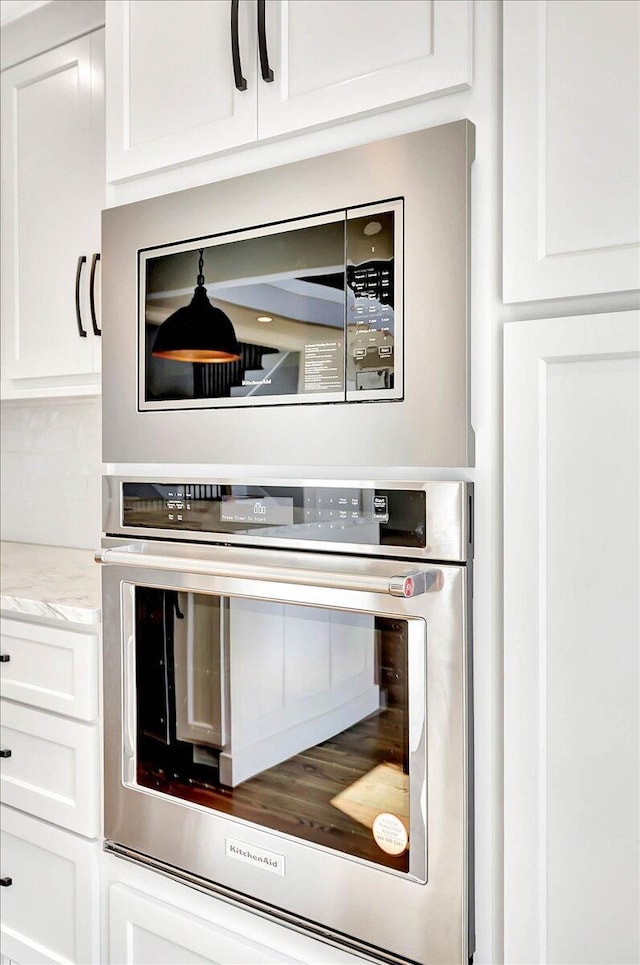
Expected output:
{"points": [[311, 314]]}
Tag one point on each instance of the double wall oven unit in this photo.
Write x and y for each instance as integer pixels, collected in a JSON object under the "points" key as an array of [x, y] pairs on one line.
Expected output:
{"points": [[288, 700], [287, 660]]}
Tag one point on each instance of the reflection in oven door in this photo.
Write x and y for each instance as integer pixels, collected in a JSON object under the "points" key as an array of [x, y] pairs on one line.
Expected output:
{"points": [[293, 717]]}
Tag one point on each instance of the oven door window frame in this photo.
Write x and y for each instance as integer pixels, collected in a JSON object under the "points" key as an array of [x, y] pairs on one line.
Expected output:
{"points": [[346, 601]]}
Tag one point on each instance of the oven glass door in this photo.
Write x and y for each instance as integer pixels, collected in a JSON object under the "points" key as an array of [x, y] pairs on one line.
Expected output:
{"points": [[300, 719]]}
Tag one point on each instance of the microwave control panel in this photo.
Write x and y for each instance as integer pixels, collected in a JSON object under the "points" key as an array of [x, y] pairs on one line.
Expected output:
{"points": [[391, 517]]}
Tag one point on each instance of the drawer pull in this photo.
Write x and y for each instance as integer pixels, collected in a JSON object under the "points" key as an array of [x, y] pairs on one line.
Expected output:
{"points": [[5, 752], [6, 882], [5, 657]]}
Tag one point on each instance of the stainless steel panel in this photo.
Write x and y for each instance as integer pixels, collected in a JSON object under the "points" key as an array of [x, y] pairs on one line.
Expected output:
{"points": [[448, 516], [381, 909], [430, 170]]}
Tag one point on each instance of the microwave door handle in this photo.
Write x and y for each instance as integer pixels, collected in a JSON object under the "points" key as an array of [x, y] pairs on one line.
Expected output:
{"points": [[405, 585]]}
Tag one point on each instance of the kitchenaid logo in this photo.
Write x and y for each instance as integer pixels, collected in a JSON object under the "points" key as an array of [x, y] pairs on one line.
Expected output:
{"points": [[266, 860], [256, 381]]}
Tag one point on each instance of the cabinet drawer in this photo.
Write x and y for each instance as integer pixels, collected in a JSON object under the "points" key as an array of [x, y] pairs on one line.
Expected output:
{"points": [[50, 911], [50, 668], [54, 767]]}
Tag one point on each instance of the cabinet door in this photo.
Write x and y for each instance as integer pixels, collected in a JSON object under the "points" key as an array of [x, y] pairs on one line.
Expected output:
{"points": [[172, 95], [333, 59], [53, 770], [571, 625], [571, 148], [50, 668], [200, 930], [51, 909], [53, 187]]}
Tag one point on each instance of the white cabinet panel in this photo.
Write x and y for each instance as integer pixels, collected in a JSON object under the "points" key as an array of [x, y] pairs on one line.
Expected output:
{"points": [[171, 95], [144, 931], [50, 668], [332, 59], [572, 632], [54, 768], [50, 911], [571, 148], [155, 921], [53, 188]]}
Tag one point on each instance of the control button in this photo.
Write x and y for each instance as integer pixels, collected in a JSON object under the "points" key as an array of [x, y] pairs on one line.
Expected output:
{"points": [[381, 508]]}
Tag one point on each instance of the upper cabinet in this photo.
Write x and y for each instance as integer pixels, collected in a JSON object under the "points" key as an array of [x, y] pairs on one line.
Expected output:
{"points": [[571, 148], [53, 190], [189, 78]]}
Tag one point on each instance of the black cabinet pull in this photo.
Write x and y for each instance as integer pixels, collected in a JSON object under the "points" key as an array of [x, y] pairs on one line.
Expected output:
{"points": [[240, 81], [5, 752], [81, 331], [5, 657], [267, 73], [6, 881], [92, 293]]}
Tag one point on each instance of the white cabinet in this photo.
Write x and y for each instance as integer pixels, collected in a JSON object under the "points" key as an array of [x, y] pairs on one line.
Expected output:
{"points": [[53, 189], [333, 59], [54, 767], [50, 668], [155, 920], [50, 911], [50, 771], [571, 624], [571, 148], [172, 95]]}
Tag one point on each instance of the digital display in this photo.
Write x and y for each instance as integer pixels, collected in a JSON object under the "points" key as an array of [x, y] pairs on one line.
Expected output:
{"points": [[269, 510]]}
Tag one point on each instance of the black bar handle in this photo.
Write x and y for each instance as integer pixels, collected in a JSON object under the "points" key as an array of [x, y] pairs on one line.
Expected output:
{"points": [[81, 331], [92, 293], [5, 657], [267, 73], [240, 81], [6, 881], [5, 752]]}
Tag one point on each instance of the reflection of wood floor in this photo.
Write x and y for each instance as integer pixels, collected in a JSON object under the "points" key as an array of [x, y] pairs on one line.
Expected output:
{"points": [[295, 796]]}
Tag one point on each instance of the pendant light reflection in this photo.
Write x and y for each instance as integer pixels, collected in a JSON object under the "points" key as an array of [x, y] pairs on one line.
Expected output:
{"points": [[198, 332]]}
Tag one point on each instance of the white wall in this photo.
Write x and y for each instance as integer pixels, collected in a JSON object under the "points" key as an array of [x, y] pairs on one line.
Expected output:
{"points": [[51, 463]]}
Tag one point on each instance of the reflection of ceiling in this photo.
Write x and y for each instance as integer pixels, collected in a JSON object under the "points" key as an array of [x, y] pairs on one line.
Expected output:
{"points": [[284, 334], [317, 304]]}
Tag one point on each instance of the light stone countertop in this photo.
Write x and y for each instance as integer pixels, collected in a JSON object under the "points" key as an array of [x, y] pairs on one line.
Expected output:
{"points": [[49, 582]]}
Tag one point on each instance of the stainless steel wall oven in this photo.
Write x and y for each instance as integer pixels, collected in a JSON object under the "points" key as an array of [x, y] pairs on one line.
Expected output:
{"points": [[288, 687]]}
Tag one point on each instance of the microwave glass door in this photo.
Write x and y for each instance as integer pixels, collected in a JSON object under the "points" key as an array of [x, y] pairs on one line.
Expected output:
{"points": [[315, 305], [300, 719]]}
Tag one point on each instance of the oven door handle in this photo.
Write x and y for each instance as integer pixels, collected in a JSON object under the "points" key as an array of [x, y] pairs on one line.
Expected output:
{"points": [[405, 585]]}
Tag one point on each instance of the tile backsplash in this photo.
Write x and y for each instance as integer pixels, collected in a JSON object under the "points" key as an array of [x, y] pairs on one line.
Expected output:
{"points": [[51, 467]]}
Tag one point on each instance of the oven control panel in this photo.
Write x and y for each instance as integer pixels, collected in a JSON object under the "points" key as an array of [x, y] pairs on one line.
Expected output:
{"points": [[349, 514]]}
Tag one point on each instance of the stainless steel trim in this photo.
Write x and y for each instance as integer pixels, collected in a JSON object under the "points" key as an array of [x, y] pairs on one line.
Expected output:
{"points": [[408, 584], [430, 170], [447, 516]]}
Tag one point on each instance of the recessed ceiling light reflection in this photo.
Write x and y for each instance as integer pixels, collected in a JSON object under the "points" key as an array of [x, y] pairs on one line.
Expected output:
{"points": [[372, 228], [264, 318]]}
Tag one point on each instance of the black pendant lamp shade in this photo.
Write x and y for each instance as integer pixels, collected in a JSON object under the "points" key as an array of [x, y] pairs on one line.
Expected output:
{"points": [[198, 332]]}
